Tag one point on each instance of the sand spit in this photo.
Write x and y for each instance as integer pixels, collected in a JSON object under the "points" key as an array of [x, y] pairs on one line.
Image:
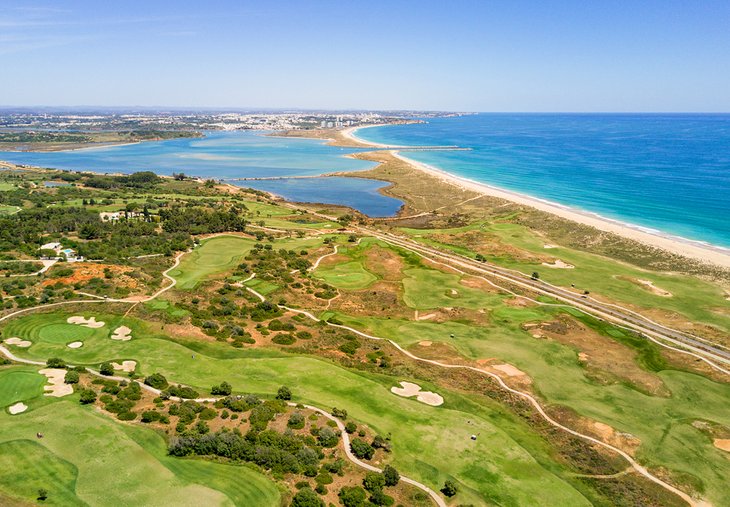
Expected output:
{"points": [[75, 345], [126, 366], [18, 342], [722, 444], [654, 289], [409, 389], [57, 387], [81, 321], [558, 264], [122, 333], [18, 408]]}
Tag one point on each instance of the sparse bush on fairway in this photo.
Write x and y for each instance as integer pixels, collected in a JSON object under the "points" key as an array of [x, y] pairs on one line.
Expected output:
{"points": [[223, 389]]}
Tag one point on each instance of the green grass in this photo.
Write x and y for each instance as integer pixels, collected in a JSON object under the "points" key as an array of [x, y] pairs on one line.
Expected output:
{"points": [[698, 300], [86, 458], [419, 431], [4, 187], [213, 256], [19, 384]]}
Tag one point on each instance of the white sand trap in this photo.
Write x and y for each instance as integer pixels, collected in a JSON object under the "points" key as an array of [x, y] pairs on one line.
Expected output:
{"points": [[558, 264], [409, 389], [125, 366], [57, 387], [81, 321], [425, 343], [18, 342], [722, 444], [18, 408], [122, 333], [549, 246], [75, 345], [510, 370], [654, 289]]}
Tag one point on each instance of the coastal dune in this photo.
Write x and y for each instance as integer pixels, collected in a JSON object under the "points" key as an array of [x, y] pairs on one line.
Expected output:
{"points": [[673, 244]]}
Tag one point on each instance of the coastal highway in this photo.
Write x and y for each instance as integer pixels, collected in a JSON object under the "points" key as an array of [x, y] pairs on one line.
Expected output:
{"points": [[605, 311]]}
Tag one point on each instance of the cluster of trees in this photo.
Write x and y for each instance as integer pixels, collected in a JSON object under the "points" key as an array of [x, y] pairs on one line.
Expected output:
{"points": [[279, 452], [202, 219]]}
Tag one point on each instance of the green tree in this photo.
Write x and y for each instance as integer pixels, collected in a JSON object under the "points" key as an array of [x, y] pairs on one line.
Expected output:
{"points": [[352, 496], [373, 482], [284, 393], [56, 362], [156, 380], [87, 396], [391, 476], [450, 488], [305, 497], [224, 389], [72, 377], [361, 448], [106, 369]]}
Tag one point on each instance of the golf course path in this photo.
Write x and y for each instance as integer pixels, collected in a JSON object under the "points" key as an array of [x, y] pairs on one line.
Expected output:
{"points": [[316, 263], [533, 401]]}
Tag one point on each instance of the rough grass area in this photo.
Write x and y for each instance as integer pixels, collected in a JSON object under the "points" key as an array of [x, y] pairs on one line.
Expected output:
{"points": [[86, 458]]}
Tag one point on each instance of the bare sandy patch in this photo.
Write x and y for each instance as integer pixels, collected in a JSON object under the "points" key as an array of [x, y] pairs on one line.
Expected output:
{"points": [[127, 366], [654, 289], [75, 345], [18, 408], [409, 389], [122, 333], [428, 316], [425, 343], [549, 246], [57, 387], [18, 342], [582, 356], [722, 444], [558, 264], [510, 370], [82, 321]]}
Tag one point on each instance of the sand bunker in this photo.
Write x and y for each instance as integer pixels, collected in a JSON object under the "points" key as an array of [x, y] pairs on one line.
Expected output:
{"points": [[75, 345], [549, 246], [722, 444], [654, 289], [125, 366], [454, 292], [558, 264], [122, 333], [409, 389], [57, 387], [18, 408], [425, 343], [18, 342], [510, 370], [81, 321]]}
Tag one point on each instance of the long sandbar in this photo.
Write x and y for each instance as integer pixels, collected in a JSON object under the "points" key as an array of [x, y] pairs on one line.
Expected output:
{"points": [[680, 246]]}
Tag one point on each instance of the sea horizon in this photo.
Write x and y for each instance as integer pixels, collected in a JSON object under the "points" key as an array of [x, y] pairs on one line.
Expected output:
{"points": [[490, 156]]}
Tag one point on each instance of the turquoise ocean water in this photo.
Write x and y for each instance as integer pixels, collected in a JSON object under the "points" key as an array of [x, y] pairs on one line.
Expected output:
{"points": [[663, 172], [224, 155]]}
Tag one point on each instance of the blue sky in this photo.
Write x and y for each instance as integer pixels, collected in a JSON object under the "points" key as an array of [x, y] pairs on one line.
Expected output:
{"points": [[505, 55]]}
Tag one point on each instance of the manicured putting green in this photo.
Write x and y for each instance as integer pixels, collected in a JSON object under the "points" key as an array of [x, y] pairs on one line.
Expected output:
{"points": [[65, 333], [19, 384]]}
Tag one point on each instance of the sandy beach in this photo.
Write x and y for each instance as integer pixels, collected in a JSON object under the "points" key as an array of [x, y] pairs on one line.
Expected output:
{"points": [[681, 246]]}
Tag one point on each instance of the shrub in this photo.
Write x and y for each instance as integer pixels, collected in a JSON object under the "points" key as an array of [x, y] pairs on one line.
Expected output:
{"points": [[183, 392], [373, 482], [283, 339], [284, 393], [150, 416], [126, 416], [324, 478], [349, 347], [207, 414], [391, 476], [56, 362], [327, 437], [340, 413], [305, 497], [296, 421], [224, 389], [380, 498], [450, 488], [304, 335], [87, 396], [72, 377], [350, 427], [361, 448], [106, 369], [302, 484], [156, 380], [381, 443], [352, 496]]}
